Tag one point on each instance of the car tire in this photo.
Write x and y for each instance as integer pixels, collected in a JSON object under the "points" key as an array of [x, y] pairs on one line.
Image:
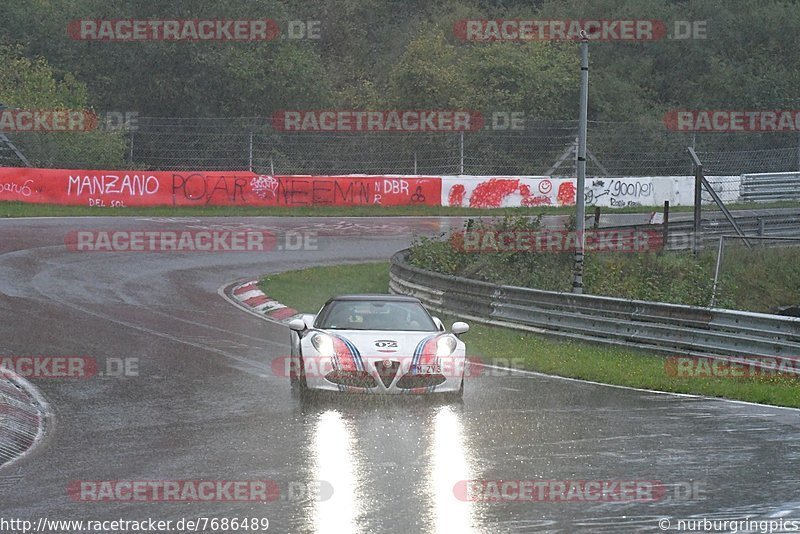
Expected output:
{"points": [[293, 379], [301, 384], [456, 396]]}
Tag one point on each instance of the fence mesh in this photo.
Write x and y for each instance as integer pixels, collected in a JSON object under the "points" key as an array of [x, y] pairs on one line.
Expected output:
{"points": [[764, 277], [539, 148]]}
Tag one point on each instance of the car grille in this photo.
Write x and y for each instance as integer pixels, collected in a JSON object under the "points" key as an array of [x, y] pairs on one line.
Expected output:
{"points": [[359, 379], [411, 381], [386, 370]]}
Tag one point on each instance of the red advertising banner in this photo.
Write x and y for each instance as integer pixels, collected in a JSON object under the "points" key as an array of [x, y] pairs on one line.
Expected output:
{"points": [[104, 188]]}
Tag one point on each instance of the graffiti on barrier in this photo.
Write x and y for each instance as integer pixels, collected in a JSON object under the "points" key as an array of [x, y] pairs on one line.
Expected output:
{"points": [[112, 184], [14, 188], [619, 193], [199, 187]]}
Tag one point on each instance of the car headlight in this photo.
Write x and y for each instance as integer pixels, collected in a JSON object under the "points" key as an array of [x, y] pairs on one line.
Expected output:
{"points": [[445, 346], [323, 343]]}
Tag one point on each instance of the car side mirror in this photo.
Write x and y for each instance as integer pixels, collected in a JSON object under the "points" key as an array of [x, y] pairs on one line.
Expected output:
{"points": [[308, 318], [459, 327], [298, 325]]}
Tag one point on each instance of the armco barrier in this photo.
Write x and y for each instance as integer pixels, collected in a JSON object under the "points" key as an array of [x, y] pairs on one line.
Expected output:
{"points": [[775, 222], [666, 328], [770, 187]]}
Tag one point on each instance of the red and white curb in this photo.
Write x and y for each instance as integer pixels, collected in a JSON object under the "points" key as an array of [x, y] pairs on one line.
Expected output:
{"points": [[251, 297]]}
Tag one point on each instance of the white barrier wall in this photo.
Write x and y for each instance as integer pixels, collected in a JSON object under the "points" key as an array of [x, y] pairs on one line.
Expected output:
{"points": [[526, 191]]}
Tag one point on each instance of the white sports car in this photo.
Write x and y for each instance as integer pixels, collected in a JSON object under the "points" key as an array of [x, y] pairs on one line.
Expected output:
{"points": [[376, 344]]}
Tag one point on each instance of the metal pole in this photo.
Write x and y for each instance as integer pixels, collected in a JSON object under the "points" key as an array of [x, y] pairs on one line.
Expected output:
{"points": [[716, 271], [251, 152], [577, 280], [271, 167], [798, 151], [698, 198], [461, 149], [415, 163], [698, 189], [575, 158]]}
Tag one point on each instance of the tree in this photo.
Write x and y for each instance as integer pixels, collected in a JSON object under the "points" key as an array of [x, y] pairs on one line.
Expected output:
{"points": [[30, 84]]}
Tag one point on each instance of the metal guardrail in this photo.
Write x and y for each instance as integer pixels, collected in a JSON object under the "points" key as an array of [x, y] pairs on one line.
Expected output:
{"points": [[665, 328], [786, 222], [782, 222], [769, 187]]}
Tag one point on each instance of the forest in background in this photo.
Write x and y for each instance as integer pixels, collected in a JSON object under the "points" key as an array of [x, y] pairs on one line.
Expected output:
{"points": [[393, 54], [382, 54]]}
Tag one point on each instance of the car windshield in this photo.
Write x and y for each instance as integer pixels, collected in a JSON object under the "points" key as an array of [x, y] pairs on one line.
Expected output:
{"points": [[375, 315]]}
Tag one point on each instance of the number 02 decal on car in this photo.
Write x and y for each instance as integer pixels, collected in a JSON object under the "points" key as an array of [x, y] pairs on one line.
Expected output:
{"points": [[386, 345]]}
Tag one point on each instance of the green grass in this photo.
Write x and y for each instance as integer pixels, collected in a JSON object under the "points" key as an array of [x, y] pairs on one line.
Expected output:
{"points": [[761, 279], [22, 209], [306, 290]]}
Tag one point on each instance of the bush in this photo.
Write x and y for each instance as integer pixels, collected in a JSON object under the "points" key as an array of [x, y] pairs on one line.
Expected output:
{"points": [[755, 280]]}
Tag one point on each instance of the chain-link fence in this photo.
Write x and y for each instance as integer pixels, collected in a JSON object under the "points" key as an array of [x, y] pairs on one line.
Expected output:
{"points": [[538, 148]]}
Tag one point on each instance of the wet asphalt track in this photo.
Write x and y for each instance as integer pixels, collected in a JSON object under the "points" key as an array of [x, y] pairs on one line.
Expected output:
{"points": [[206, 405]]}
